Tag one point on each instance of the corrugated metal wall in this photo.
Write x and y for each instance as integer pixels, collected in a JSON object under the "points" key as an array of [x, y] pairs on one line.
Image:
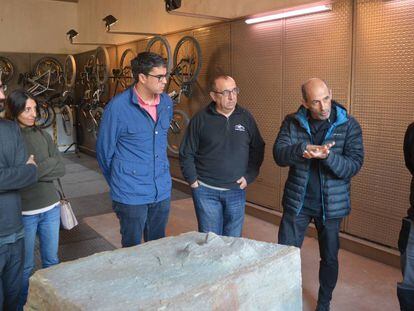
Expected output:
{"points": [[383, 102], [365, 51]]}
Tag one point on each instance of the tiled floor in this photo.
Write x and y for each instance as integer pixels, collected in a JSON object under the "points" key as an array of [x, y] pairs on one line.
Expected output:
{"points": [[363, 283]]}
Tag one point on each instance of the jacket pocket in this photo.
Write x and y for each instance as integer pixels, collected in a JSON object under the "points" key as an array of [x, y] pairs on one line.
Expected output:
{"points": [[164, 122], [138, 133], [132, 170]]}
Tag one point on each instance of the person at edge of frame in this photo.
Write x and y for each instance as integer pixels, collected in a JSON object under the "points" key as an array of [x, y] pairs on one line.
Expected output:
{"points": [[405, 289], [17, 170]]}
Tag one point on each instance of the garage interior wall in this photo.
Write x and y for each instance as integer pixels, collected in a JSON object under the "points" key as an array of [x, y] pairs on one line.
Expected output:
{"points": [[37, 26], [364, 49]]}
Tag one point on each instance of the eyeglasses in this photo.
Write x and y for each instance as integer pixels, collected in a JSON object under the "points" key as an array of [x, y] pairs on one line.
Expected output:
{"points": [[226, 93], [160, 77]]}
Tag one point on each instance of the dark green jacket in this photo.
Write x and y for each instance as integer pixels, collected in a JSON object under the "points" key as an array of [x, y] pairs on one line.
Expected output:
{"points": [[50, 167], [14, 175]]}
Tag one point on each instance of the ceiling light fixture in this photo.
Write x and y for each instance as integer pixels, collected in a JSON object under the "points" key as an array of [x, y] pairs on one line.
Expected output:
{"points": [[290, 13], [172, 5], [72, 33], [111, 20]]}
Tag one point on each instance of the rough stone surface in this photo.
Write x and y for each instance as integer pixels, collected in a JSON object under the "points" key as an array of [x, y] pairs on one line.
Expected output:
{"points": [[193, 271]]}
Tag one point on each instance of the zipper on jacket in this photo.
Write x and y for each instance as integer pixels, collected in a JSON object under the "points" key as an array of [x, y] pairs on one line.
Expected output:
{"points": [[321, 180], [153, 152], [153, 124], [322, 196], [307, 180], [304, 194]]}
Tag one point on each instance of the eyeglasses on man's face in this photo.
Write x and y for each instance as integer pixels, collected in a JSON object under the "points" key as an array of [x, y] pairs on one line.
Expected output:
{"points": [[226, 93], [160, 77]]}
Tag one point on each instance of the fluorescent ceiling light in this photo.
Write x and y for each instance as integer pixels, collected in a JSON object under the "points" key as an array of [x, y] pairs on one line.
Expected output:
{"points": [[285, 14]]}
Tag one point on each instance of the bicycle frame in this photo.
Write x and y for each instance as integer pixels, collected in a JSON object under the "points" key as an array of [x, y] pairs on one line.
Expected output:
{"points": [[38, 88]]}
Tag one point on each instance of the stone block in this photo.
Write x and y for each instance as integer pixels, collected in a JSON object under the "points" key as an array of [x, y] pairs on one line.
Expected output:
{"points": [[192, 271]]}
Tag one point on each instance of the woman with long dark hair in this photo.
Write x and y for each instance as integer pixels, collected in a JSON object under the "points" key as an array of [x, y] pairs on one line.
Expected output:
{"points": [[40, 202]]}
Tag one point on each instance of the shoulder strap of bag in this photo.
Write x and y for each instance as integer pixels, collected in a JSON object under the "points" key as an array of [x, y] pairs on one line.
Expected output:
{"points": [[61, 193]]}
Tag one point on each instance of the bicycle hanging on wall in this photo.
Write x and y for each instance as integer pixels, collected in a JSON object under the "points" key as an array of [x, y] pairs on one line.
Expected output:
{"points": [[185, 68], [94, 78], [6, 75], [42, 84], [6, 70], [122, 76]]}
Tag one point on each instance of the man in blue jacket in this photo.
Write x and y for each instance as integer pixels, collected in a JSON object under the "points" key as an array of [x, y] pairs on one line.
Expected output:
{"points": [[132, 151], [322, 145], [17, 171]]}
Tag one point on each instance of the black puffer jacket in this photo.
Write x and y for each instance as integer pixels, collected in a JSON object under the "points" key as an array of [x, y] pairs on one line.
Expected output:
{"points": [[409, 162], [343, 162]]}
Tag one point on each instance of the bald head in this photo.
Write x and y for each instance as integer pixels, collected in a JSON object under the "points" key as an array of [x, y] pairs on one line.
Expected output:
{"points": [[218, 80], [311, 84], [317, 98]]}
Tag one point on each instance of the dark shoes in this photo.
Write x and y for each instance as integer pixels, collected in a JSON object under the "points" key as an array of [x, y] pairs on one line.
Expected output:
{"points": [[406, 298]]}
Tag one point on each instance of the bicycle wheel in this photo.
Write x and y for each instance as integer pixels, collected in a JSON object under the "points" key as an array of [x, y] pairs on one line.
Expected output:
{"points": [[69, 72], [46, 64], [176, 131], [42, 115], [160, 46], [67, 119], [101, 65], [125, 65], [6, 69], [46, 115], [97, 117], [187, 60], [90, 63]]}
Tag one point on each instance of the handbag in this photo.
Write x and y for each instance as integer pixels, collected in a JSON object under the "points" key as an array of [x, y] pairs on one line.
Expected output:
{"points": [[67, 217]]}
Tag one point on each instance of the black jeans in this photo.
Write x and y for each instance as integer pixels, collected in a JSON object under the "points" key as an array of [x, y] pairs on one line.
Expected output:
{"points": [[11, 273], [292, 232]]}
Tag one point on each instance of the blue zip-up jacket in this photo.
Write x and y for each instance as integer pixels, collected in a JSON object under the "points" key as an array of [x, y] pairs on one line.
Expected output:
{"points": [[344, 161], [132, 150]]}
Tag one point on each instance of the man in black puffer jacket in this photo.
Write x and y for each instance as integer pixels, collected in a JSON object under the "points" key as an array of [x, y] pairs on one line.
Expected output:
{"points": [[405, 289], [322, 145]]}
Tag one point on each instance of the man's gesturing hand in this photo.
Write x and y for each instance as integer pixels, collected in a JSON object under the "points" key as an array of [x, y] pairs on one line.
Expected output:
{"points": [[318, 152]]}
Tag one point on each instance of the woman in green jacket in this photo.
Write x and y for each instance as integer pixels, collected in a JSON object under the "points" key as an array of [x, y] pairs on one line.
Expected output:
{"points": [[40, 202]]}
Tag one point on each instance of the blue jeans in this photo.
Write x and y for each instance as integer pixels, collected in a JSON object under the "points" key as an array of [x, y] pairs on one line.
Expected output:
{"points": [[219, 211], [292, 232], [135, 219], [46, 225], [11, 271]]}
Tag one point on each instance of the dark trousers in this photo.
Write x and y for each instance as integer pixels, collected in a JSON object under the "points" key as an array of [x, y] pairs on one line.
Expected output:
{"points": [[150, 219], [292, 232], [405, 289], [11, 273]]}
